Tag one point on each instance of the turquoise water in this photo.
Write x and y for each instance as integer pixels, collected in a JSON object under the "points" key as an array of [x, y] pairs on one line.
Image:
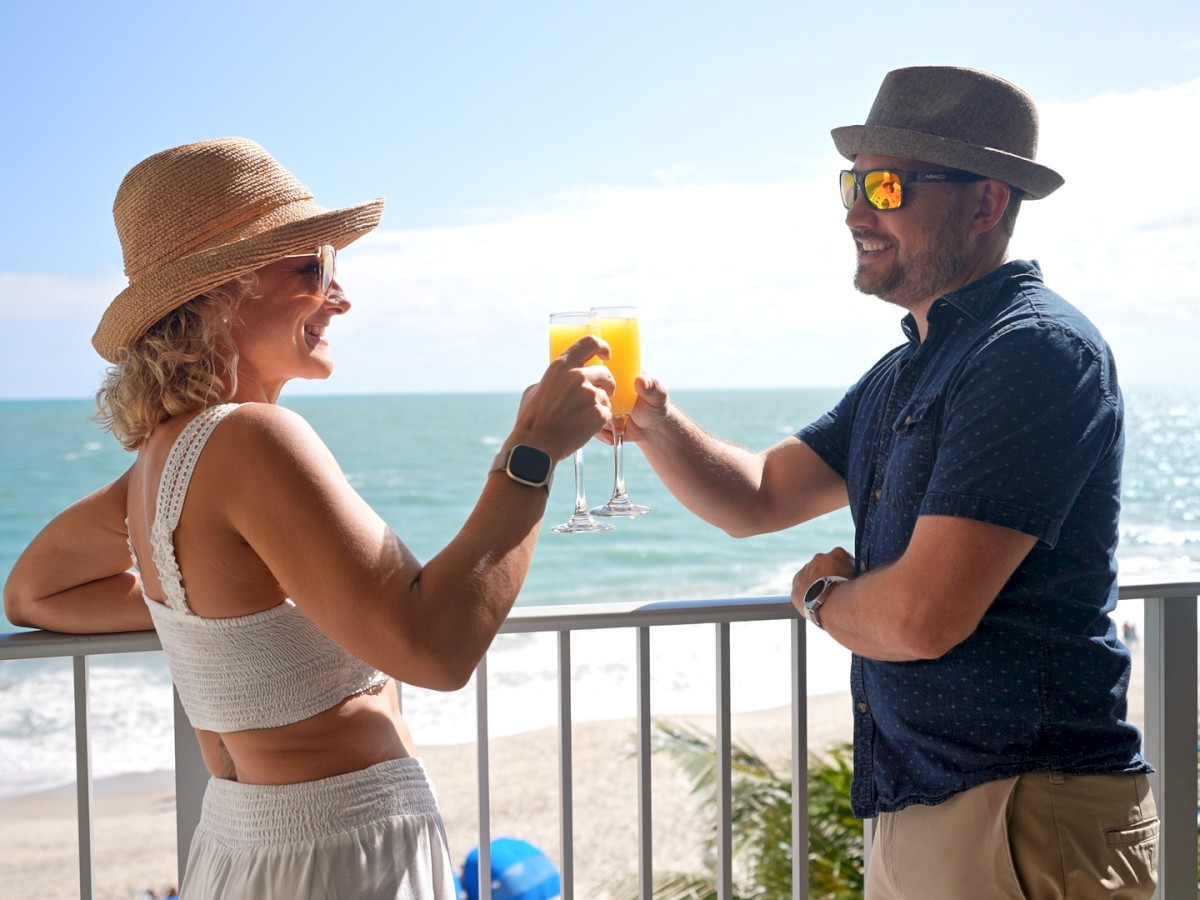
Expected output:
{"points": [[421, 461]]}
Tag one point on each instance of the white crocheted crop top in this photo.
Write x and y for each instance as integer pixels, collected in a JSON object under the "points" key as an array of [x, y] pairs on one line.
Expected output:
{"points": [[263, 670]]}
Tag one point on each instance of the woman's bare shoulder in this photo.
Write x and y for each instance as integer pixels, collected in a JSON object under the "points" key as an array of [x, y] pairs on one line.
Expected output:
{"points": [[266, 440], [268, 425]]}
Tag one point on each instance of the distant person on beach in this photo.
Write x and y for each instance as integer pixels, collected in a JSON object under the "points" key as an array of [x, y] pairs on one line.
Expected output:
{"points": [[981, 462], [287, 608], [1130, 636]]}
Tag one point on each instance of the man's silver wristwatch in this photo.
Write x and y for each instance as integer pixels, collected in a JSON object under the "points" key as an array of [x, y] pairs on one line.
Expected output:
{"points": [[814, 597]]}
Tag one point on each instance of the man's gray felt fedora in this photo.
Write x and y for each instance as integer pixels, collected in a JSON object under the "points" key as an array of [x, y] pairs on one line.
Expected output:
{"points": [[960, 118]]}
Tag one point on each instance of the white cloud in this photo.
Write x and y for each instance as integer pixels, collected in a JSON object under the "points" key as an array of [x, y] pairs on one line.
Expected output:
{"points": [[1120, 238], [742, 284], [55, 297], [749, 284], [736, 284]]}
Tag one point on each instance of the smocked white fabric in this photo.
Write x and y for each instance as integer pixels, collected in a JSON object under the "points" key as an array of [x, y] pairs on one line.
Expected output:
{"points": [[263, 670], [369, 835]]}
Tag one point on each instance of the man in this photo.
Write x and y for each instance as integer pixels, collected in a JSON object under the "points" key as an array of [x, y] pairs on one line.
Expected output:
{"points": [[981, 463]]}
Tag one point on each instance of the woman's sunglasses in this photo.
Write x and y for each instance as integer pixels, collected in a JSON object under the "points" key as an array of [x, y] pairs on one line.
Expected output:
{"points": [[884, 188], [326, 256]]}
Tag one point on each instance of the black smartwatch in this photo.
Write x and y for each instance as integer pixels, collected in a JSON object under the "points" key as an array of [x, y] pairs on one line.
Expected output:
{"points": [[814, 597], [526, 465]]}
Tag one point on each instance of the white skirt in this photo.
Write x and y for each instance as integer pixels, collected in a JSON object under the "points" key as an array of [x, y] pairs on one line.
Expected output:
{"points": [[374, 834]]}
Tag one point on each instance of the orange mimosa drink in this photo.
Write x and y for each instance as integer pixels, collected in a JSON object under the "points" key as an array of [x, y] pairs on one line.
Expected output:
{"points": [[563, 335], [618, 327], [625, 361]]}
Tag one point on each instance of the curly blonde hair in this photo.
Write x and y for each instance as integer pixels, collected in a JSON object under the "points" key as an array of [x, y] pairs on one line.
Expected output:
{"points": [[184, 362]]}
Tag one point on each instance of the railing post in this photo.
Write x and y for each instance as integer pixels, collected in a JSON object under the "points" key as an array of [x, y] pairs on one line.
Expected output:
{"points": [[799, 761], [1170, 736], [483, 768], [645, 815], [83, 781], [191, 780], [566, 785], [724, 784]]}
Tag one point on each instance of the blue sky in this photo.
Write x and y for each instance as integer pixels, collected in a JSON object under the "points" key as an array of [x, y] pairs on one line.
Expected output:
{"points": [[539, 156]]}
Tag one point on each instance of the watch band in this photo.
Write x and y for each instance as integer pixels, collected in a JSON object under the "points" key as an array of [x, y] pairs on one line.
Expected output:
{"points": [[815, 596]]}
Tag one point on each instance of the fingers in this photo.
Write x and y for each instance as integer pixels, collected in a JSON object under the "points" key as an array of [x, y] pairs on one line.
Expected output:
{"points": [[602, 377], [650, 389], [588, 354], [588, 346], [836, 562]]}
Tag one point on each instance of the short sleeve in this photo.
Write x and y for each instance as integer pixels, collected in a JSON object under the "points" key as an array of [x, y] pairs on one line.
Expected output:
{"points": [[1030, 417]]}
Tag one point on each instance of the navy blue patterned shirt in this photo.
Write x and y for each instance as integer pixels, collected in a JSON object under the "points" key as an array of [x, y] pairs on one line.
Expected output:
{"points": [[1008, 412]]}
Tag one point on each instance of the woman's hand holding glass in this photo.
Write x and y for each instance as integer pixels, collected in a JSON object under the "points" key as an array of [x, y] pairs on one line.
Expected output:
{"points": [[565, 329], [570, 404]]}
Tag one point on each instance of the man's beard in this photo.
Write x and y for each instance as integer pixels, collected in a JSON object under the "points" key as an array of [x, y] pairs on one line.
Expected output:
{"points": [[924, 275]]}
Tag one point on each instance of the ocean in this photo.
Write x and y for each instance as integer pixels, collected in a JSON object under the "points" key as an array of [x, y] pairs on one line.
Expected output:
{"points": [[420, 461]]}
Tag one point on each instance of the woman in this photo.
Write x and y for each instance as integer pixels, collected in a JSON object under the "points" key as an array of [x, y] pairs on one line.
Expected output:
{"points": [[285, 605]]}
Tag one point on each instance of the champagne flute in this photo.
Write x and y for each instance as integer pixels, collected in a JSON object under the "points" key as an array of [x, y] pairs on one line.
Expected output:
{"points": [[565, 329], [618, 326]]}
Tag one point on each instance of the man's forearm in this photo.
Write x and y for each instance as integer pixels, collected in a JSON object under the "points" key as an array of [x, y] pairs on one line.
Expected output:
{"points": [[718, 481]]}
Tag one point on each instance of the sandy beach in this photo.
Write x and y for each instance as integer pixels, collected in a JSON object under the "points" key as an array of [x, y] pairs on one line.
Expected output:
{"points": [[134, 828]]}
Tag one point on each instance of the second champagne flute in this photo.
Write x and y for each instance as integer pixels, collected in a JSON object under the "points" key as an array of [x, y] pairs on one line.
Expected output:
{"points": [[565, 329], [618, 326]]}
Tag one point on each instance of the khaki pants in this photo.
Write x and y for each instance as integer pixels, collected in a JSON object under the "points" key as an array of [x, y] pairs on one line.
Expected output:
{"points": [[1039, 836]]}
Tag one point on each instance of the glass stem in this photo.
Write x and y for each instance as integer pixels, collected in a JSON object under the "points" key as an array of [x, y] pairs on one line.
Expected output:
{"points": [[580, 503], [618, 458]]}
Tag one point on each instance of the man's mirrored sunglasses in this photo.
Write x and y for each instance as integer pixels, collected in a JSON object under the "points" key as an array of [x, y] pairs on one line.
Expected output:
{"points": [[884, 188], [326, 265]]}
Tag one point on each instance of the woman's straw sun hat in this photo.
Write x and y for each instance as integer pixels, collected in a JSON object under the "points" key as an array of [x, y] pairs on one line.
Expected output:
{"points": [[193, 217], [962, 118]]}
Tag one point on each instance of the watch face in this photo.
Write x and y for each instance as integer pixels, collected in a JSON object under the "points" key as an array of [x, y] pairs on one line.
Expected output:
{"points": [[815, 589], [530, 464]]}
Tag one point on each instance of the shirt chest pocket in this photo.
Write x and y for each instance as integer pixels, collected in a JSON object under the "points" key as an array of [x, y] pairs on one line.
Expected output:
{"points": [[909, 464]]}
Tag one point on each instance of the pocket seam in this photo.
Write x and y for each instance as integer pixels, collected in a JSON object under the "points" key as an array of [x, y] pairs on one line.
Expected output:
{"points": [[1137, 833]]}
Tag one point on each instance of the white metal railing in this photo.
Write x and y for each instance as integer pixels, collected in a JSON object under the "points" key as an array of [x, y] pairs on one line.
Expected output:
{"points": [[1170, 734]]}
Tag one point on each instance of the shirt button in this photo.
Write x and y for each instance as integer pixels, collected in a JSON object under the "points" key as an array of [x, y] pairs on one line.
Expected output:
{"points": [[878, 493], [862, 707], [908, 420]]}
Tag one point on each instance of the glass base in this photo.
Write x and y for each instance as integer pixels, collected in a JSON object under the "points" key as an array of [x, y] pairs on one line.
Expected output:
{"points": [[581, 523], [620, 508]]}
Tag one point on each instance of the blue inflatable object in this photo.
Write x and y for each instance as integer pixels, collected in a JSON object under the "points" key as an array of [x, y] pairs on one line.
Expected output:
{"points": [[520, 871]]}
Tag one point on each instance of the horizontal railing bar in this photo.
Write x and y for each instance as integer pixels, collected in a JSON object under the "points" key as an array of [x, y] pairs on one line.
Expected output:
{"points": [[530, 619], [1137, 589], [51, 644], [590, 617]]}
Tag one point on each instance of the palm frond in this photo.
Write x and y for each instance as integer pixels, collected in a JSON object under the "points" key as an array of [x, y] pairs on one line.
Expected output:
{"points": [[669, 886], [761, 816]]}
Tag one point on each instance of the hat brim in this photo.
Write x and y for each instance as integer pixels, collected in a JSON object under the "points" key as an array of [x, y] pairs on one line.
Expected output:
{"points": [[1034, 179], [157, 293]]}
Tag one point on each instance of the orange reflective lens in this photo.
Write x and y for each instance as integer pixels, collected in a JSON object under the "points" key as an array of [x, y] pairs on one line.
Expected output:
{"points": [[884, 188]]}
